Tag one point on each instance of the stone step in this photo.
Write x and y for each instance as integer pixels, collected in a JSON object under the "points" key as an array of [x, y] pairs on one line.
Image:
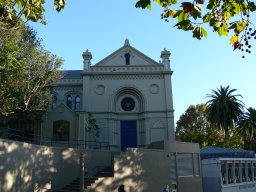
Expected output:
{"points": [[74, 185]]}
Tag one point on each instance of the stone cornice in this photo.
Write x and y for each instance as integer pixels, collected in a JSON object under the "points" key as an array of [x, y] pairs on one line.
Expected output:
{"points": [[68, 82], [128, 73], [125, 76], [71, 88], [127, 70]]}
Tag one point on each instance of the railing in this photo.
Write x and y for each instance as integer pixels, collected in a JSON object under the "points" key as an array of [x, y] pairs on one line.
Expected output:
{"points": [[26, 136]]}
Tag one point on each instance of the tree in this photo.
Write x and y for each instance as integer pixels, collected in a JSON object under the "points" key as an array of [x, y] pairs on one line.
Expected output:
{"points": [[193, 126], [247, 127], [224, 109], [26, 72], [225, 17], [92, 127]]}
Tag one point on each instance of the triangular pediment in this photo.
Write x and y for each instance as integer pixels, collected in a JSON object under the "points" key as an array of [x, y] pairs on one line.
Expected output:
{"points": [[127, 52], [62, 108]]}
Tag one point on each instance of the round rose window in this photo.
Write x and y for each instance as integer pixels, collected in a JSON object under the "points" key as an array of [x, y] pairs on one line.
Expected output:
{"points": [[127, 104]]}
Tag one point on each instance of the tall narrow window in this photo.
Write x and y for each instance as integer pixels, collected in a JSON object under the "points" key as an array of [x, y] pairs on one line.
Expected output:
{"points": [[77, 102], [127, 58], [54, 102], [69, 101]]}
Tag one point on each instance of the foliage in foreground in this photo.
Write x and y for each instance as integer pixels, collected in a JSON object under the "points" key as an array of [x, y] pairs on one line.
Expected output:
{"points": [[225, 17]]}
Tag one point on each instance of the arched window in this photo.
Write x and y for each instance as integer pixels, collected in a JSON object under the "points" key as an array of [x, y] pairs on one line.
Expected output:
{"points": [[61, 130], [54, 102], [69, 101], [77, 102], [127, 58]]}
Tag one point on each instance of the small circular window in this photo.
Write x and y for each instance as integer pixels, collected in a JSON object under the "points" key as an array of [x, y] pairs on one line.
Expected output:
{"points": [[127, 104]]}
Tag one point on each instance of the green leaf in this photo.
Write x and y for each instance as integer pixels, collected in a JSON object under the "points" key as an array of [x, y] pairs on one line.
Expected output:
{"points": [[196, 13], [181, 15], [212, 4], [227, 15], [199, 32], [159, 2], [244, 8], [184, 25], [174, 1], [43, 22], [204, 32], [252, 6], [59, 4], [20, 4], [233, 25], [143, 4], [207, 18], [240, 26], [214, 22], [223, 30], [166, 2], [237, 9]]}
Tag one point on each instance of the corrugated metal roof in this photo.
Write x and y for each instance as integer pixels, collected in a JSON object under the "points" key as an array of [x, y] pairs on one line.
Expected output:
{"points": [[216, 152], [72, 74], [212, 149]]}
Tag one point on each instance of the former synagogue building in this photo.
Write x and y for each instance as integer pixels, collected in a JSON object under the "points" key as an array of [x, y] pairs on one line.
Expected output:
{"points": [[127, 93]]}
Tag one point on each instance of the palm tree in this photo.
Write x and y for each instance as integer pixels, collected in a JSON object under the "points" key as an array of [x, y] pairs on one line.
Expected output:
{"points": [[224, 109], [247, 126]]}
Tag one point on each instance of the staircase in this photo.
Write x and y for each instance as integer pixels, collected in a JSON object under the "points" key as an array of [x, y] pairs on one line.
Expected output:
{"points": [[74, 186]]}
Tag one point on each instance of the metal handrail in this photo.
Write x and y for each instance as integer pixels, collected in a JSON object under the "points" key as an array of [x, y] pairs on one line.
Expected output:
{"points": [[20, 135]]}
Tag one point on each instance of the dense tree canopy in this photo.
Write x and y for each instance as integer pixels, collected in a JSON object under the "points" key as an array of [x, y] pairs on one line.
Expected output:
{"points": [[26, 71], [194, 126]]}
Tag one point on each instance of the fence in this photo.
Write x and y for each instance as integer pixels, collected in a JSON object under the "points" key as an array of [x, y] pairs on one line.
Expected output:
{"points": [[30, 137]]}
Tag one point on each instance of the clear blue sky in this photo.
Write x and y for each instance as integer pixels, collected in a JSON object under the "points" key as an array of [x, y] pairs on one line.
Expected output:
{"points": [[102, 27]]}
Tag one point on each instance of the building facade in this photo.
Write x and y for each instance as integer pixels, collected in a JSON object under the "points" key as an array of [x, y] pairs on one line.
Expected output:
{"points": [[128, 94]]}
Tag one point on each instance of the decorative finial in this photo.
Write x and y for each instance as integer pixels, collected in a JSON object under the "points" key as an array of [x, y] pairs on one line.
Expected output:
{"points": [[126, 42], [87, 56], [165, 55]]}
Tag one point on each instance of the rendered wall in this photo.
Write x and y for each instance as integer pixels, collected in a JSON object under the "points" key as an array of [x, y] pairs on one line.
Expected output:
{"points": [[25, 167], [149, 170], [139, 170]]}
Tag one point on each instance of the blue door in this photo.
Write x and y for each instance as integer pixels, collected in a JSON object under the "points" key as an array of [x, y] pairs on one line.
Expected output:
{"points": [[128, 134]]}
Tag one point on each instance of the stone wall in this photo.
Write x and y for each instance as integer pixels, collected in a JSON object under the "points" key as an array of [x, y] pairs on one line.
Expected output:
{"points": [[27, 167]]}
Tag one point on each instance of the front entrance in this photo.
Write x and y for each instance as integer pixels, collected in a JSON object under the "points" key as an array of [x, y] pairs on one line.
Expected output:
{"points": [[128, 134]]}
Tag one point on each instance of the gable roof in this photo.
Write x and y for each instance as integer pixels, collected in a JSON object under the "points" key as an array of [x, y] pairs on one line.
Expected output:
{"points": [[72, 74], [117, 58]]}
